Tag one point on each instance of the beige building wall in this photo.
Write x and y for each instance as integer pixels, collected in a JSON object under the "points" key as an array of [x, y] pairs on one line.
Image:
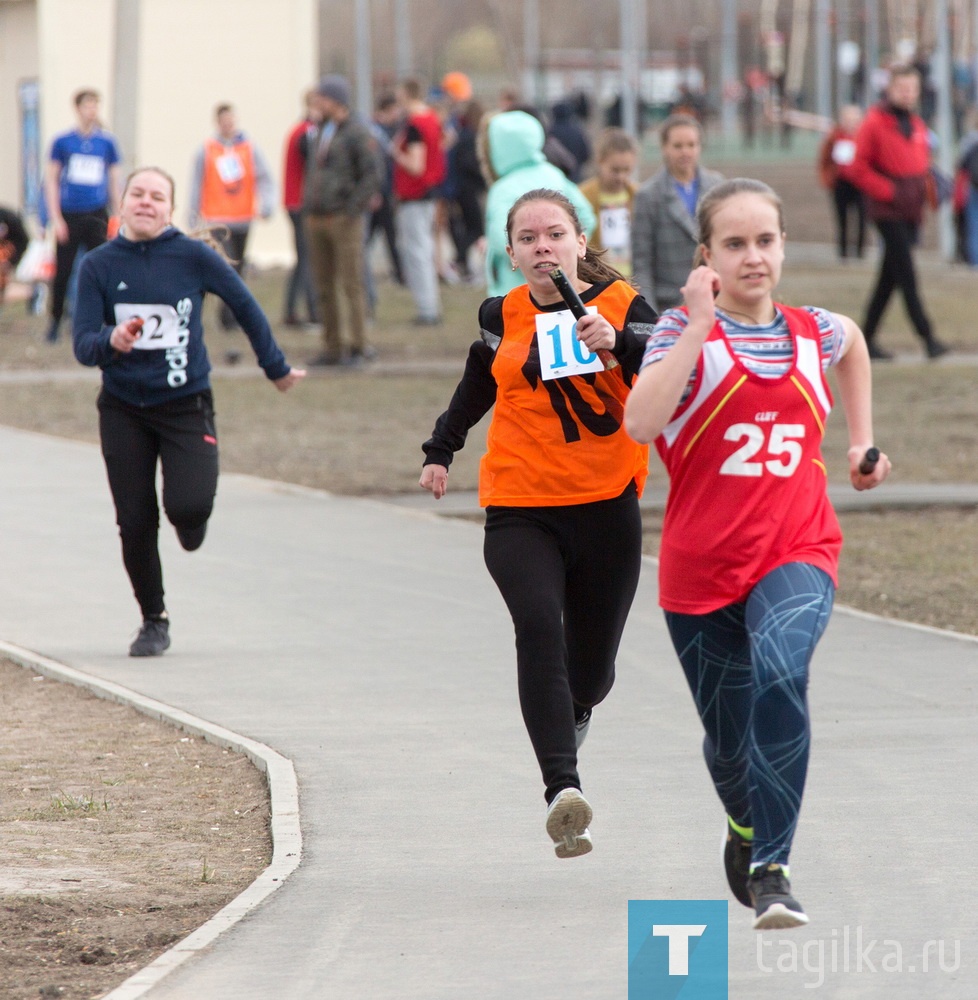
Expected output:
{"points": [[18, 61], [189, 55]]}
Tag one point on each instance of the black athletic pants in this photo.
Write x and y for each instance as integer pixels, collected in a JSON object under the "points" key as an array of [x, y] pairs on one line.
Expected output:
{"points": [[181, 435], [897, 272], [85, 229], [848, 200], [233, 242], [568, 576]]}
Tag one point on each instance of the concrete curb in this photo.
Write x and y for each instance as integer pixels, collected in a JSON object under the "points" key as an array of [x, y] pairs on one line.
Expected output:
{"points": [[285, 825]]}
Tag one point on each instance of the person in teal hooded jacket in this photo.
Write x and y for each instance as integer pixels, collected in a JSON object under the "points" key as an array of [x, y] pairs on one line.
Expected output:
{"points": [[514, 141]]}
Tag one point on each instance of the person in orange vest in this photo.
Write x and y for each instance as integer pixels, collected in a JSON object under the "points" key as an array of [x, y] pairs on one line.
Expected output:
{"points": [[231, 185]]}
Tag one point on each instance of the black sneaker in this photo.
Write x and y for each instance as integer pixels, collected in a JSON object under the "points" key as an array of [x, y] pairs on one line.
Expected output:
{"points": [[153, 638], [192, 538], [936, 348], [736, 863], [878, 353], [775, 907]]}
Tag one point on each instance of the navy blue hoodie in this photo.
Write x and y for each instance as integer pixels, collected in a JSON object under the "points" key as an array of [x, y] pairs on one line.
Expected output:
{"points": [[162, 280]]}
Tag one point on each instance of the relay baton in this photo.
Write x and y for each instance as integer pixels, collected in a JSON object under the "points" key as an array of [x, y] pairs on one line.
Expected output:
{"points": [[869, 461], [573, 302]]}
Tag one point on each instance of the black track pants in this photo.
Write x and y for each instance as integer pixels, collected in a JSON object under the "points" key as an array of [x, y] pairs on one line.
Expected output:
{"points": [[568, 576], [181, 435]]}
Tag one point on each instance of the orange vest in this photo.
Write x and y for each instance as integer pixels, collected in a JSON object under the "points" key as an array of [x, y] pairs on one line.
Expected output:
{"points": [[228, 191], [558, 442]]}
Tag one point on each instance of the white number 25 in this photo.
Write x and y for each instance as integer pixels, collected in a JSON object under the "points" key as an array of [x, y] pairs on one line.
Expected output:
{"points": [[782, 443]]}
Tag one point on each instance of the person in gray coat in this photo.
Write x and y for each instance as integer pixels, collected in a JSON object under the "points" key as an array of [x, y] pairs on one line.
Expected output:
{"points": [[664, 231]]}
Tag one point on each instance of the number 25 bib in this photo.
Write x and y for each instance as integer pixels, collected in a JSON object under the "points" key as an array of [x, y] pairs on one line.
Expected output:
{"points": [[747, 479]]}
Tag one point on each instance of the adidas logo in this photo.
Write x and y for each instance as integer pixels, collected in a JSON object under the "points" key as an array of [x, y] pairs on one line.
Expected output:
{"points": [[121, 286]]}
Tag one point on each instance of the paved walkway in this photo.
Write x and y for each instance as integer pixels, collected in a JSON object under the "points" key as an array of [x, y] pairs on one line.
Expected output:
{"points": [[366, 643]]}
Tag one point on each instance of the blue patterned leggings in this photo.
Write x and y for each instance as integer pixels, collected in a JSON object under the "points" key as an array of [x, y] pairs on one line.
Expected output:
{"points": [[747, 668]]}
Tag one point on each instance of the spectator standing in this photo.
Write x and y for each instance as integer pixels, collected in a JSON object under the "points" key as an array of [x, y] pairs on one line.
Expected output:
{"points": [[515, 164], [611, 193], [891, 168], [230, 186], [300, 284], [419, 167], [386, 122], [342, 179], [81, 191], [567, 129], [968, 167], [665, 233], [465, 188], [835, 157]]}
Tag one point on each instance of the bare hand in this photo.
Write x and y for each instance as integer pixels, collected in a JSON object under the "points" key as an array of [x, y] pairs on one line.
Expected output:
{"points": [[869, 480], [286, 382], [125, 335], [595, 332], [60, 230], [699, 293], [435, 479]]}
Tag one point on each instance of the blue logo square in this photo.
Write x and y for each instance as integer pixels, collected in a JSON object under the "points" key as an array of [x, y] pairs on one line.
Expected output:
{"points": [[677, 949]]}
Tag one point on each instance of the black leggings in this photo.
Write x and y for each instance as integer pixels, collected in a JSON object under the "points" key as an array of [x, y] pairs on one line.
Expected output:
{"points": [[568, 576], [85, 229], [897, 272], [233, 242], [181, 435]]}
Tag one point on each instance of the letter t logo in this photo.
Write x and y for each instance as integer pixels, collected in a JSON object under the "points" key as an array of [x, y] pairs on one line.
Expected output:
{"points": [[679, 935]]}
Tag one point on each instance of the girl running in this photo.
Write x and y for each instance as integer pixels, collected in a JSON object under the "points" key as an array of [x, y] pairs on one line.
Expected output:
{"points": [[733, 393], [138, 318], [560, 482]]}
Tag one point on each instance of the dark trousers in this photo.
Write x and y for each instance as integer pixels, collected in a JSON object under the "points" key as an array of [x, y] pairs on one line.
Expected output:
{"points": [[568, 576], [465, 222], [897, 272], [181, 436], [383, 219], [85, 229], [300, 285], [848, 201], [233, 242]]}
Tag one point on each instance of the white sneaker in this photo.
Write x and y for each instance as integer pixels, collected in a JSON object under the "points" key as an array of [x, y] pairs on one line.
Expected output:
{"points": [[567, 823]]}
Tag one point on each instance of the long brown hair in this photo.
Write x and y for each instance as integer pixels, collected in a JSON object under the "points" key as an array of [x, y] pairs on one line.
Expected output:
{"points": [[592, 268], [710, 203]]}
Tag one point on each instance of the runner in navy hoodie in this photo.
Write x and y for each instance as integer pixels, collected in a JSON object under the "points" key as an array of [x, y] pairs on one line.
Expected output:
{"points": [[138, 317]]}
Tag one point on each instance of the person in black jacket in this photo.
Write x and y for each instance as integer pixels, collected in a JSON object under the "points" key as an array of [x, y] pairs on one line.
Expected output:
{"points": [[138, 318]]}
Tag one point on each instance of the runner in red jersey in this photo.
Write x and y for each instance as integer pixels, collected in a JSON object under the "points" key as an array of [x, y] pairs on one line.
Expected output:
{"points": [[733, 394], [560, 482]]}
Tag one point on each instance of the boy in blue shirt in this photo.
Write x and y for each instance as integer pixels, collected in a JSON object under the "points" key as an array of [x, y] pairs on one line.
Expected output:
{"points": [[81, 188]]}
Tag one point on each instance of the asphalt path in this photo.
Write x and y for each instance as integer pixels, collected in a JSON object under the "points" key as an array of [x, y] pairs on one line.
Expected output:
{"points": [[366, 643]]}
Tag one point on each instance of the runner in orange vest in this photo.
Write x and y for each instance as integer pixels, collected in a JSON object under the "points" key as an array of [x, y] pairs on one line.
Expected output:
{"points": [[231, 185]]}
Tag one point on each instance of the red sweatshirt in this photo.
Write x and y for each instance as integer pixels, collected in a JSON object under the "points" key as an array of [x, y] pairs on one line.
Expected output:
{"points": [[890, 169]]}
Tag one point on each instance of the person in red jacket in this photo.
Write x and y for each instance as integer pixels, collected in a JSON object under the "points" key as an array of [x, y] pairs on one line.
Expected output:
{"points": [[835, 157], [419, 167], [891, 167], [296, 153]]}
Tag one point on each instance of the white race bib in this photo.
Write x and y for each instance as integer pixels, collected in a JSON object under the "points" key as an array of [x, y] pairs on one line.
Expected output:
{"points": [[616, 227], [561, 353], [230, 168], [843, 152], [86, 169], [161, 325]]}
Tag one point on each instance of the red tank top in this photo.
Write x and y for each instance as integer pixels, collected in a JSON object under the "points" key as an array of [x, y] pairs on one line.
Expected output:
{"points": [[557, 442], [747, 482]]}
